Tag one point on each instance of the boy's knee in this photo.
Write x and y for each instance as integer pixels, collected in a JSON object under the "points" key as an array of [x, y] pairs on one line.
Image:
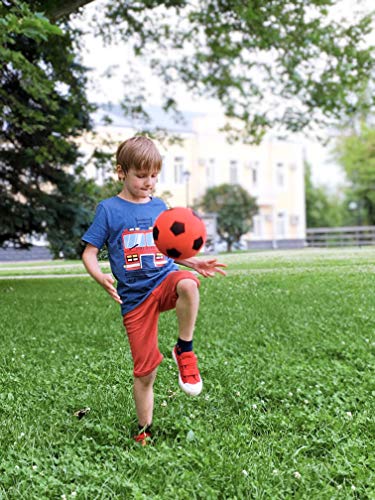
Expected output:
{"points": [[146, 380], [187, 287]]}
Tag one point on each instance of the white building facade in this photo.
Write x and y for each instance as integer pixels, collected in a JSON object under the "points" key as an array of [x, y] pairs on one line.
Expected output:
{"points": [[272, 172]]}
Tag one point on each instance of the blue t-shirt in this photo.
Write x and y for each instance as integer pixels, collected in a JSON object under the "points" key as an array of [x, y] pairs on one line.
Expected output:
{"points": [[136, 263]]}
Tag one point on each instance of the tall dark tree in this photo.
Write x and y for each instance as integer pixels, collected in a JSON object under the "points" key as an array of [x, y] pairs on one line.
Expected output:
{"points": [[43, 109]]}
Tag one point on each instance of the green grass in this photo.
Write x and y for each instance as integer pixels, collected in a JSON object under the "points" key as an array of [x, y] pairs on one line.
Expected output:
{"points": [[286, 344]]}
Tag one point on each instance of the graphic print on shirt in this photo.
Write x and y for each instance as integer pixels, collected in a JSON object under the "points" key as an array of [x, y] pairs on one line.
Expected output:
{"points": [[137, 243]]}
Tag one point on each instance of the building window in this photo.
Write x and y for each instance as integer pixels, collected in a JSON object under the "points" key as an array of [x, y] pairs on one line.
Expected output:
{"points": [[233, 172], [257, 225], [210, 172], [280, 175], [281, 224], [179, 170], [163, 172], [294, 220], [254, 173]]}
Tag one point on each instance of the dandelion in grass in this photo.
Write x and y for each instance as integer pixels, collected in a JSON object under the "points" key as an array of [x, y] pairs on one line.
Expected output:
{"points": [[297, 475]]}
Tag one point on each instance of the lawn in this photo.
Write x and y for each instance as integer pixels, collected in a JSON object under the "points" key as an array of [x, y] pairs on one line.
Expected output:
{"points": [[286, 344]]}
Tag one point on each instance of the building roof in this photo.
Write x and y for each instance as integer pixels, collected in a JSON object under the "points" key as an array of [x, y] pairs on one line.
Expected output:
{"points": [[114, 115]]}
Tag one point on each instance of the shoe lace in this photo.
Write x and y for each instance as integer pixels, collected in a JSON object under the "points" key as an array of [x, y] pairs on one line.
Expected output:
{"points": [[187, 363]]}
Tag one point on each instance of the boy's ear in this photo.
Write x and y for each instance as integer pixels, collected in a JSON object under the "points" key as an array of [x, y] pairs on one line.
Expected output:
{"points": [[120, 173]]}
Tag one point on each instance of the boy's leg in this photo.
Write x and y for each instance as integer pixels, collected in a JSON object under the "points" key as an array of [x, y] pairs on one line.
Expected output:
{"points": [[185, 300], [187, 306], [142, 328], [144, 398]]}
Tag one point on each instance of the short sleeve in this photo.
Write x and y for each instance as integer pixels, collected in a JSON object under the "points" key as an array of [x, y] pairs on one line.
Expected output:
{"points": [[98, 233]]}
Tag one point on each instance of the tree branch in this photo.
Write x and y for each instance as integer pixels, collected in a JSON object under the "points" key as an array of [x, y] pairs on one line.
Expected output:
{"points": [[65, 8]]}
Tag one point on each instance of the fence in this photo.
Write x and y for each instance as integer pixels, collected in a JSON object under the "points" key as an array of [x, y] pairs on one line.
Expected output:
{"points": [[340, 236]]}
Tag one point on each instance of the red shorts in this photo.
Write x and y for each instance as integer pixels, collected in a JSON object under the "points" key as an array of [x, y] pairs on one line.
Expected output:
{"points": [[142, 322]]}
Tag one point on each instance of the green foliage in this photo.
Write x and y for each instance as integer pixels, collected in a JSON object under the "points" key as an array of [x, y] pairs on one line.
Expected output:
{"points": [[271, 64], [323, 209], [235, 209], [282, 64], [356, 153], [66, 239], [286, 354], [43, 110]]}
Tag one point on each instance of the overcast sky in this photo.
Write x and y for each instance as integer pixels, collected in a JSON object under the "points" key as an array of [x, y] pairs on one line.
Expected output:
{"points": [[101, 58]]}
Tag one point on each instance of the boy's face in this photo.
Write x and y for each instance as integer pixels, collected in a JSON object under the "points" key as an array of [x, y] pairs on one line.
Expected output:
{"points": [[139, 184]]}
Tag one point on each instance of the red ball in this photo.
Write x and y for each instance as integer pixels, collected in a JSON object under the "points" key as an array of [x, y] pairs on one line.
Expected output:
{"points": [[179, 233]]}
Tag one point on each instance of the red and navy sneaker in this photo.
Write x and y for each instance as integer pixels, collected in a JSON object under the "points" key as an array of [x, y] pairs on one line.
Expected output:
{"points": [[189, 378], [143, 438]]}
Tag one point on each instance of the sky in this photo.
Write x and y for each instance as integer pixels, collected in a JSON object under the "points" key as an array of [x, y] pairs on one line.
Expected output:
{"points": [[103, 59]]}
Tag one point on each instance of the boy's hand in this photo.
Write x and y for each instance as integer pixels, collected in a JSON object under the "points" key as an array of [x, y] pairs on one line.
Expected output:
{"points": [[208, 267], [106, 281]]}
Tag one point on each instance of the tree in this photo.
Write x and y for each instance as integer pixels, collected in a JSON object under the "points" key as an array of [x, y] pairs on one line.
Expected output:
{"points": [[44, 109], [271, 64], [323, 209], [356, 153], [235, 209]]}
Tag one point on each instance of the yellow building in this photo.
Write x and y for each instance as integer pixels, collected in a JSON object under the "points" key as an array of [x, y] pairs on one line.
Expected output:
{"points": [[272, 172]]}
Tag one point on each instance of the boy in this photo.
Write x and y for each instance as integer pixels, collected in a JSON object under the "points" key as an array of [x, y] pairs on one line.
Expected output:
{"points": [[146, 285]]}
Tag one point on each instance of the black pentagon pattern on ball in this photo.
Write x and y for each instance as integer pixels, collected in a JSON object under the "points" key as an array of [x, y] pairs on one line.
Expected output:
{"points": [[198, 243], [155, 233], [177, 228], [173, 253]]}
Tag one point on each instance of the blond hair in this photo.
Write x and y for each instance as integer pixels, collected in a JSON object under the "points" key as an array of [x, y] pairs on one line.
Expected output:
{"points": [[140, 153]]}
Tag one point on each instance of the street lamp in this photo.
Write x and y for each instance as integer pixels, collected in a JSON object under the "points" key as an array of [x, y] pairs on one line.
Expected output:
{"points": [[186, 175]]}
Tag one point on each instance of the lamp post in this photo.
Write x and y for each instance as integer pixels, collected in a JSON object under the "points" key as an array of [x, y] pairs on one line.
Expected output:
{"points": [[186, 175]]}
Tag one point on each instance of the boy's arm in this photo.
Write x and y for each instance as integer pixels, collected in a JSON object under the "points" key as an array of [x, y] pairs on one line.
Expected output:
{"points": [[90, 260], [205, 267]]}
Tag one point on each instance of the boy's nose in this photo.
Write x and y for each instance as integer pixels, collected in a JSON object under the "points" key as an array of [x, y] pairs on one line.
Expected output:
{"points": [[149, 181]]}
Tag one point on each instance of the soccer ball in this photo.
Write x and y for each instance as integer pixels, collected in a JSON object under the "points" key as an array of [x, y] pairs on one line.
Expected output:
{"points": [[179, 233]]}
